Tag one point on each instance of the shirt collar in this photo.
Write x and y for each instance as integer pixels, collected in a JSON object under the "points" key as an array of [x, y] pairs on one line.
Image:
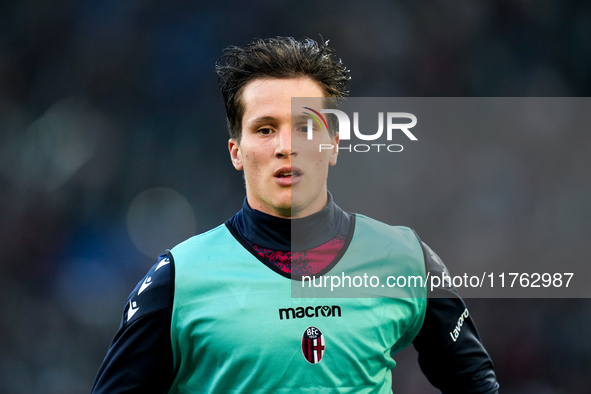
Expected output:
{"points": [[272, 232]]}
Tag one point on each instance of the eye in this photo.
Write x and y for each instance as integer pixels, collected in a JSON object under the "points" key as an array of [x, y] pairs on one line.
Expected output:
{"points": [[302, 128], [265, 131]]}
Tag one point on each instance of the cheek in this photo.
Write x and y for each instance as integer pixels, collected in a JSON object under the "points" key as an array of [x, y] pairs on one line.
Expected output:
{"points": [[252, 164], [321, 163]]}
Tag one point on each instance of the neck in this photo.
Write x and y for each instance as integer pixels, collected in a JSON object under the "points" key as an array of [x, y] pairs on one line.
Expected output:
{"points": [[280, 233], [292, 212]]}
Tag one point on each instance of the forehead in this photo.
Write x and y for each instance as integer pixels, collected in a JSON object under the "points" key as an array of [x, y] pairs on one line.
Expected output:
{"points": [[266, 96]]}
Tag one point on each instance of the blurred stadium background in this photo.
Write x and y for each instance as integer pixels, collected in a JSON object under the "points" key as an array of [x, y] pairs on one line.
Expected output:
{"points": [[113, 148]]}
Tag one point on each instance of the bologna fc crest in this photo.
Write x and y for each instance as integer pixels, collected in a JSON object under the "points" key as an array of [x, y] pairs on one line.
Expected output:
{"points": [[313, 345]]}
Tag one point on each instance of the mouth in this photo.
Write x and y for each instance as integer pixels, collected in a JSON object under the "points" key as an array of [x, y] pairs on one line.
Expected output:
{"points": [[288, 176]]}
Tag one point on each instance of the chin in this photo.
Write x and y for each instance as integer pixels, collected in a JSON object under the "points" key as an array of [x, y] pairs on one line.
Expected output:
{"points": [[282, 208], [297, 210], [281, 211]]}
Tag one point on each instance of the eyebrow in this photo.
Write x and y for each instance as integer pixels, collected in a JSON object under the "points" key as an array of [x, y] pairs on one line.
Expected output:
{"points": [[272, 120], [261, 120], [300, 117]]}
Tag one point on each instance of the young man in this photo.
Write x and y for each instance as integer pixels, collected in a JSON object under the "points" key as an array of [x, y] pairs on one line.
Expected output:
{"points": [[215, 314]]}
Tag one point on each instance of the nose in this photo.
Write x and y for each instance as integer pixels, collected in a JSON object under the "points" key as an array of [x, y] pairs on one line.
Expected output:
{"points": [[283, 147]]}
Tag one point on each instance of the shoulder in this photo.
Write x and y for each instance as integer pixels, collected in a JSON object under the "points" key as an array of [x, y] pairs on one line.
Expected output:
{"points": [[204, 238], [152, 293], [378, 225], [405, 236], [402, 235]]}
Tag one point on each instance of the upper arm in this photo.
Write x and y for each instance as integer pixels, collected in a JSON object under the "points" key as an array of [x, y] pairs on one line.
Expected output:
{"points": [[140, 355], [451, 354]]}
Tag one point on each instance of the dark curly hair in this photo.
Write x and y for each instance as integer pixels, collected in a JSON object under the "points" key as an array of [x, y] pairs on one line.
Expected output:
{"points": [[280, 57]]}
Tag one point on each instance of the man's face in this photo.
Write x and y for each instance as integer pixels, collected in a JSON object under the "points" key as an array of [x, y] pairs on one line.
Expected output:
{"points": [[285, 173]]}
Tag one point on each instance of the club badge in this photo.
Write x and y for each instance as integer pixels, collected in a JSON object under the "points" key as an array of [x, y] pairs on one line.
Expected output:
{"points": [[313, 345]]}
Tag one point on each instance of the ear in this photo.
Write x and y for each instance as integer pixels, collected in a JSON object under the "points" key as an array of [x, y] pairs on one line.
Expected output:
{"points": [[235, 154], [335, 150]]}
